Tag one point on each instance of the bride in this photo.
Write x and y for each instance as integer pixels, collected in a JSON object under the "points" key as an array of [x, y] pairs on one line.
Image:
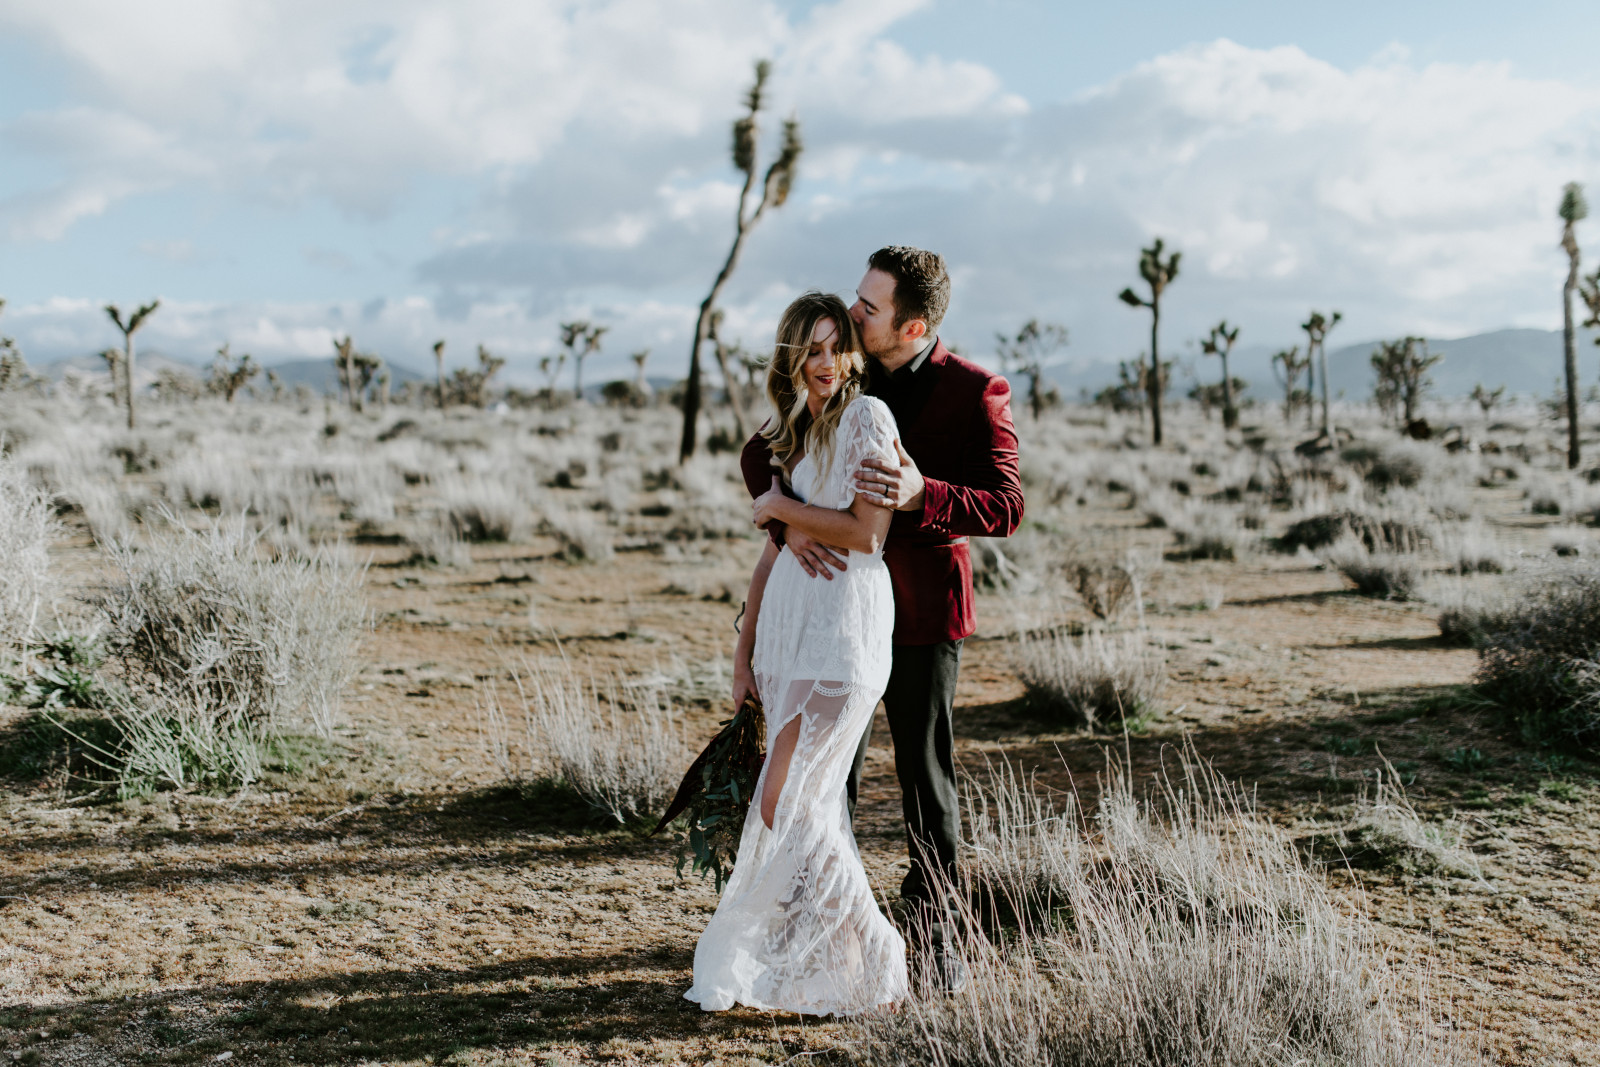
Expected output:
{"points": [[797, 928]]}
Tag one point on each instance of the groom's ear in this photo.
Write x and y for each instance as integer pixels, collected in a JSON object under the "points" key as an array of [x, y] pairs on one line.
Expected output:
{"points": [[914, 330]]}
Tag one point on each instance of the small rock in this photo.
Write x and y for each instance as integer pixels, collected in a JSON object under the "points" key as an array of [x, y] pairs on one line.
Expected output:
{"points": [[223, 1056]]}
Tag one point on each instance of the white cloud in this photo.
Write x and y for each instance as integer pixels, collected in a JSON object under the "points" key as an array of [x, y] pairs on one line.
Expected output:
{"points": [[587, 145]]}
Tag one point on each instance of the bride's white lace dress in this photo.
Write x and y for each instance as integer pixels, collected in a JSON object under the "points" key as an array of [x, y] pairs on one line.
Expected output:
{"points": [[797, 928]]}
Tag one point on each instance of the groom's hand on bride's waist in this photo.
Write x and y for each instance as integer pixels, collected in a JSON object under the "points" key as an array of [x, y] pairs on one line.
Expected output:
{"points": [[814, 556]]}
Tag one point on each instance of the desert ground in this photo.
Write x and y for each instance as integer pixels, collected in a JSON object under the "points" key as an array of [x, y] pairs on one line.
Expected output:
{"points": [[404, 888]]}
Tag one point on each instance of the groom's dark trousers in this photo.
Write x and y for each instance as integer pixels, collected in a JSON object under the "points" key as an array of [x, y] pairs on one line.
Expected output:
{"points": [[954, 421]]}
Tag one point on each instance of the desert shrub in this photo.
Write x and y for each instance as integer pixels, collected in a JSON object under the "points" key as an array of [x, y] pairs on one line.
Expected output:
{"points": [[1541, 660], [103, 507], [1468, 613], [1373, 531], [582, 535], [484, 509], [27, 524], [1210, 533], [436, 542], [1393, 464], [1190, 932], [219, 649], [1385, 832], [1391, 575], [1090, 679], [1471, 549], [619, 747], [1105, 588]]}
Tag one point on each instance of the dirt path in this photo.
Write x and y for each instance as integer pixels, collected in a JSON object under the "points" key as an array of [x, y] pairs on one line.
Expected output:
{"points": [[395, 904]]}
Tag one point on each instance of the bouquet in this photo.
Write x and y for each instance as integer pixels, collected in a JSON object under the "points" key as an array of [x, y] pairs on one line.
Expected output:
{"points": [[714, 795]]}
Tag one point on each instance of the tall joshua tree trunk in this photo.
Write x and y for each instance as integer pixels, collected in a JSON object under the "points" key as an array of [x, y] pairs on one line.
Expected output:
{"points": [[129, 328], [1573, 210], [1221, 343], [1317, 328], [1158, 274], [438, 369], [774, 192]]}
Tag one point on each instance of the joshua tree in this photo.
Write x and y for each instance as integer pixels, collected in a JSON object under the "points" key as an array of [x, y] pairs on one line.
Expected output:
{"points": [[551, 370], [1287, 366], [275, 383], [1574, 209], [13, 368], [113, 358], [1487, 399], [1158, 275], [1402, 369], [471, 385], [1027, 354], [1591, 299], [228, 375], [774, 192], [129, 328], [356, 371], [1317, 328], [438, 368], [1220, 343], [582, 340], [730, 356]]}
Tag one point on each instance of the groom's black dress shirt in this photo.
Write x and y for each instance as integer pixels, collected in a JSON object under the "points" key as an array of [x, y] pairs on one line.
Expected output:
{"points": [[906, 390]]}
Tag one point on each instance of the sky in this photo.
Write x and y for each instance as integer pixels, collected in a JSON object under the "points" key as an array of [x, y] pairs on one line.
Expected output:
{"points": [[482, 170]]}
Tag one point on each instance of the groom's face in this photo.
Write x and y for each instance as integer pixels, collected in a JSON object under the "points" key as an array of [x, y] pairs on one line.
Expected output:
{"points": [[874, 313]]}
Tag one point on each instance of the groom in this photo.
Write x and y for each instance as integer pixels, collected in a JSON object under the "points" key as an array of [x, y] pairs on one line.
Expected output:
{"points": [[957, 478]]}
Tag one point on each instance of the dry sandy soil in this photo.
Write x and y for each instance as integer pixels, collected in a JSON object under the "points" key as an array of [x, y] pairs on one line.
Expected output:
{"points": [[396, 903]]}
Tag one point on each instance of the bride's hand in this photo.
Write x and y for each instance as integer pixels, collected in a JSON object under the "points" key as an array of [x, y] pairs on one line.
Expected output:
{"points": [[766, 505], [744, 685]]}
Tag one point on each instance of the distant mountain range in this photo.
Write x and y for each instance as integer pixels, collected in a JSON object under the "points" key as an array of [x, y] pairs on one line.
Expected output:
{"points": [[1526, 362], [317, 373]]}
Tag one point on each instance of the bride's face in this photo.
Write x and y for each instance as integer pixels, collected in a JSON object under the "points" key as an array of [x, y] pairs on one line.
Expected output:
{"points": [[822, 367]]}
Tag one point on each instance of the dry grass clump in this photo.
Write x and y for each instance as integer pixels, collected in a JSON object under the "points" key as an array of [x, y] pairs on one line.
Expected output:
{"points": [[1375, 532], [1391, 464], [435, 542], [619, 747], [1091, 679], [582, 535], [1472, 549], [1210, 533], [1186, 930], [220, 649], [27, 525], [1468, 611], [1391, 575], [486, 509], [1106, 589], [1385, 832], [1541, 660]]}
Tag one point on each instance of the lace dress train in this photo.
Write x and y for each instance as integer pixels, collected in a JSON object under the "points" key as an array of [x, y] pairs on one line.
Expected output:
{"points": [[798, 928]]}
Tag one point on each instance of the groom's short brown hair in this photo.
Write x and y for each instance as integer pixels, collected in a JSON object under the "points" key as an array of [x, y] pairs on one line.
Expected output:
{"points": [[921, 284]]}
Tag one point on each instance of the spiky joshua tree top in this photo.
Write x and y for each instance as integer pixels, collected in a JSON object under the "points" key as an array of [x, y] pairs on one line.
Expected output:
{"points": [[129, 327], [774, 193]]}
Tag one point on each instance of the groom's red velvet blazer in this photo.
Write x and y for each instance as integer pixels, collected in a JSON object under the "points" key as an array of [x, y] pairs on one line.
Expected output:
{"points": [[954, 421]]}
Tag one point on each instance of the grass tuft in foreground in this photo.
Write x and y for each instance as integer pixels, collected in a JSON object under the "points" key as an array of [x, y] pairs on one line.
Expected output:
{"points": [[1179, 930]]}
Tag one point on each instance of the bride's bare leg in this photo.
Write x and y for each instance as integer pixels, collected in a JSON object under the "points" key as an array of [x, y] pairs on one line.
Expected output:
{"points": [[778, 769]]}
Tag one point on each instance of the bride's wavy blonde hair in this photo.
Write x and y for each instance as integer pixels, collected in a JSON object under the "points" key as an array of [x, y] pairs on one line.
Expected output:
{"points": [[792, 424]]}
